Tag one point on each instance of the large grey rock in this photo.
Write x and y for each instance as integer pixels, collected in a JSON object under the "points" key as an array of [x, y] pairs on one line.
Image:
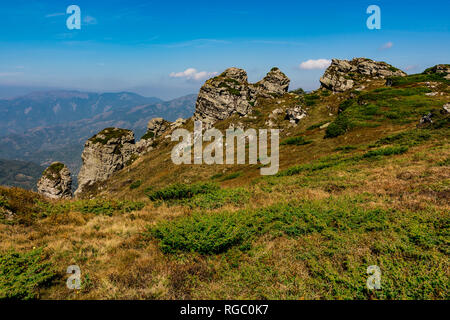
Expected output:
{"points": [[104, 154], [230, 93], [343, 75], [56, 182]]}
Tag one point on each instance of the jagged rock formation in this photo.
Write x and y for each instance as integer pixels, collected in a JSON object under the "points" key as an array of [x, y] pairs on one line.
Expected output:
{"points": [[343, 75], [440, 69], [105, 153], [56, 182], [275, 82], [230, 93]]}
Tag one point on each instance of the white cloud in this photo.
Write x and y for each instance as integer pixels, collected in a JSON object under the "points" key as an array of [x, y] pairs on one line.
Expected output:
{"points": [[387, 45], [315, 64], [192, 74]]}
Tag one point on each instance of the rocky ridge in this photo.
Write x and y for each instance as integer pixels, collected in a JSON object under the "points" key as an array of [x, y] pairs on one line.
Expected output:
{"points": [[56, 182], [230, 92], [343, 75]]}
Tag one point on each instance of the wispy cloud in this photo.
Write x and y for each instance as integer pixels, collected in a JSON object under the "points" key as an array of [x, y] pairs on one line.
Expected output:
{"points": [[412, 67], [387, 45], [279, 43], [89, 20], [10, 74], [56, 14], [197, 43], [192, 74], [315, 64]]}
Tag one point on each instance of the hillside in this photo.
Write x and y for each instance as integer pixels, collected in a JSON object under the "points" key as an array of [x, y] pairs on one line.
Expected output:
{"points": [[363, 180]]}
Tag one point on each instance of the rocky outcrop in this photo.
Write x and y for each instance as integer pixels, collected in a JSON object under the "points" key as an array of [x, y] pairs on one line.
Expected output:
{"points": [[105, 153], [445, 109], [56, 182], [439, 69], [230, 93], [275, 82], [343, 75]]}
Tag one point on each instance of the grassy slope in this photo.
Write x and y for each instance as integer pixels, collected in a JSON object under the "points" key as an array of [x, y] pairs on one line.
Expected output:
{"points": [[337, 206]]}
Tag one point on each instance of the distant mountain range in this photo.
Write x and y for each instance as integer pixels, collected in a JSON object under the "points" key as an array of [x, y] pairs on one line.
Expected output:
{"points": [[22, 174], [52, 126], [55, 107]]}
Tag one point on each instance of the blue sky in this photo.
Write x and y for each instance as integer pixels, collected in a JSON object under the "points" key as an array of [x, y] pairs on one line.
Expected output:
{"points": [[145, 46]]}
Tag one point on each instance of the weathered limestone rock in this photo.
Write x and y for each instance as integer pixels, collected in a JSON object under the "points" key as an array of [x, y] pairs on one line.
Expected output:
{"points": [[105, 153], [230, 93], [56, 182], [155, 128], [445, 108], [295, 114], [275, 82], [343, 75]]}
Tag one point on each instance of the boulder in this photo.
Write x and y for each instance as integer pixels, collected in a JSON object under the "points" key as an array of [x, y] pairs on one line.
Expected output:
{"points": [[55, 182], [445, 109], [105, 153], [294, 115], [343, 75]]}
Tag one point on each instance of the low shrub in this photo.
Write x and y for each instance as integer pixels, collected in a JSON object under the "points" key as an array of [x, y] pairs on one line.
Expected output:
{"points": [[136, 184], [22, 274], [180, 191], [385, 151], [297, 141]]}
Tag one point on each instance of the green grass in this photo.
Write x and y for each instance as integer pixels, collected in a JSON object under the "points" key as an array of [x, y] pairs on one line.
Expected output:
{"points": [[374, 108], [422, 77], [54, 168], [340, 237], [297, 141], [93, 206], [109, 133], [148, 135], [23, 274], [231, 176]]}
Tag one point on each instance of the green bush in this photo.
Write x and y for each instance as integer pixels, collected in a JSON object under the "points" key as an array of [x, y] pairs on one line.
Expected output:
{"points": [[337, 127], [22, 274]]}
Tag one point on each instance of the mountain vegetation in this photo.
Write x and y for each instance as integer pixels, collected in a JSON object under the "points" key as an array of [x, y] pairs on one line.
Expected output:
{"points": [[364, 180]]}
